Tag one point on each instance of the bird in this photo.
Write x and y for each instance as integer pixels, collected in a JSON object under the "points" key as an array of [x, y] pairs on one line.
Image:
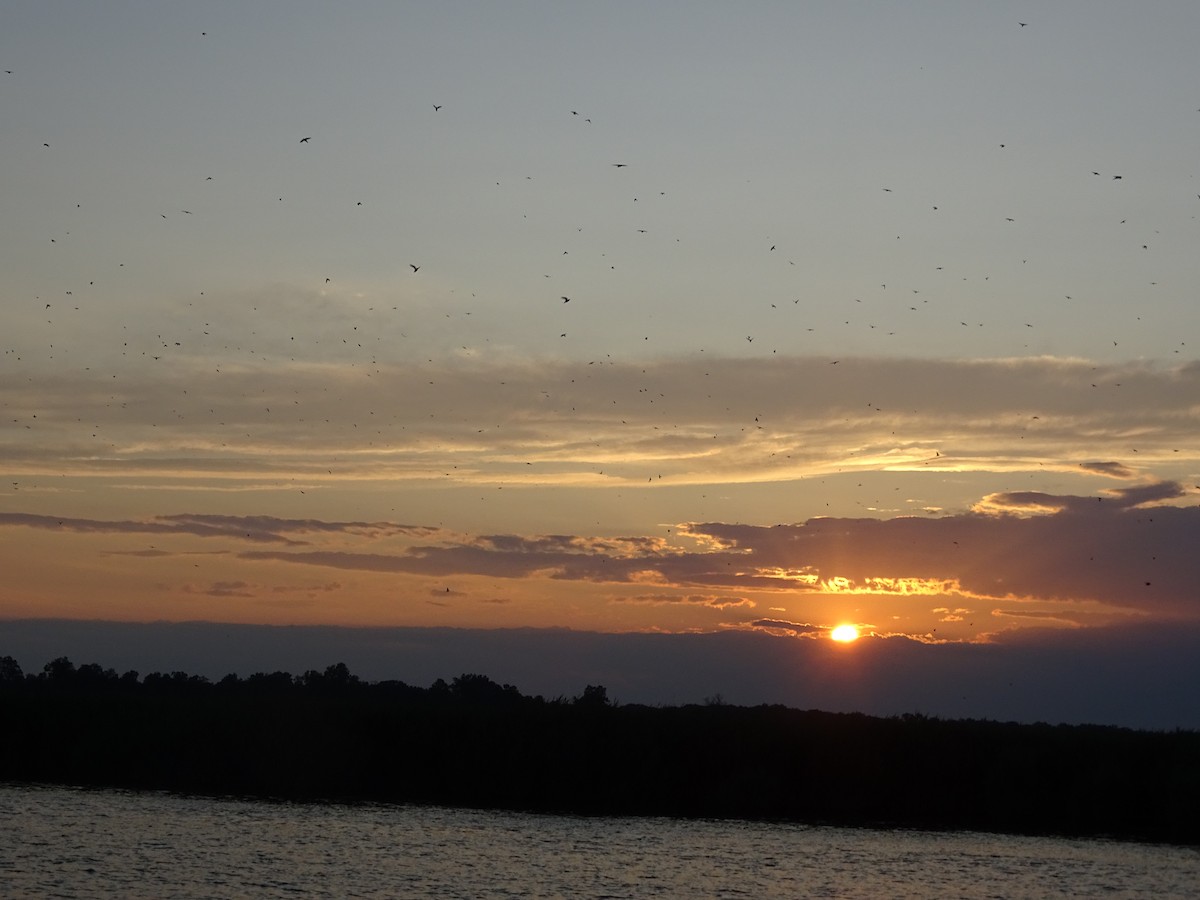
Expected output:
{"points": [[414, 268], [615, 165], [566, 299], [436, 107], [305, 140]]}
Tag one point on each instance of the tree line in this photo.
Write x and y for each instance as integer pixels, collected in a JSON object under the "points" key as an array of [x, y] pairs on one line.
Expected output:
{"points": [[473, 742]]}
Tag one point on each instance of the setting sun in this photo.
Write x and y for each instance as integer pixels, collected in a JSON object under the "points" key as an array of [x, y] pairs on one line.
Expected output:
{"points": [[844, 634]]}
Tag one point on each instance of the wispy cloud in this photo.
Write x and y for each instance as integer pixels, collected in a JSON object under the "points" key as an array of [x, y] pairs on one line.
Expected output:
{"points": [[800, 629], [257, 529], [554, 422], [1129, 551], [716, 601], [1028, 555]]}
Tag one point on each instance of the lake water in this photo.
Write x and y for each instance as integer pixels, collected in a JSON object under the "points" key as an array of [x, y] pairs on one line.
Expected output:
{"points": [[63, 842]]}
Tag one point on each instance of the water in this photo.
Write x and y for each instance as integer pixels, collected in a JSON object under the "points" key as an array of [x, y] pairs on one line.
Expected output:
{"points": [[62, 842]]}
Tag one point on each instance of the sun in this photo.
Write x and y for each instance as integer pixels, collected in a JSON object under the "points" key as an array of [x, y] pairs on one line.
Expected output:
{"points": [[844, 634]]}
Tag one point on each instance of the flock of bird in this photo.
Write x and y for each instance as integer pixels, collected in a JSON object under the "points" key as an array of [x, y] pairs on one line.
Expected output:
{"points": [[368, 340]]}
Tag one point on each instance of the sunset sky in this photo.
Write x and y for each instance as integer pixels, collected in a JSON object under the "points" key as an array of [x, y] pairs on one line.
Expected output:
{"points": [[682, 318]]}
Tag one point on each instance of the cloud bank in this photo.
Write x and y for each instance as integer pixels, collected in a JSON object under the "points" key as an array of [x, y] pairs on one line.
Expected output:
{"points": [[1139, 677], [1124, 552]]}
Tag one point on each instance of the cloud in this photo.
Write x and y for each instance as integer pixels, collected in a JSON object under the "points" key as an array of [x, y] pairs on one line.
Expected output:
{"points": [[324, 588], [1112, 469], [1128, 554], [716, 601], [256, 529], [1129, 551], [550, 421], [1139, 676], [222, 589], [1036, 502], [801, 629]]}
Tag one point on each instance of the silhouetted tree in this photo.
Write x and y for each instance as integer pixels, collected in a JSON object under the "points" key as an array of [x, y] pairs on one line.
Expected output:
{"points": [[59, 671], [594, 695], [480, 689], [475, 742], [335, 678], [93, 674], [275, 681], [10, 671]]}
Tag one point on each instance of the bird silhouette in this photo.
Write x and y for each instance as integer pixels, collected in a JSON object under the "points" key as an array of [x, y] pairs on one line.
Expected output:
{"points": [[414, 268], [305, 140]]}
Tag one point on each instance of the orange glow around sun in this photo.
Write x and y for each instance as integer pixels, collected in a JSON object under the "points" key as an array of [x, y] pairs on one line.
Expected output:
{"points": [[844, 634]]}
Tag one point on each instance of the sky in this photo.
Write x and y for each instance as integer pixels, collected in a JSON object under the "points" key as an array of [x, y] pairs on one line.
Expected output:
{"points": [[694, 319]]}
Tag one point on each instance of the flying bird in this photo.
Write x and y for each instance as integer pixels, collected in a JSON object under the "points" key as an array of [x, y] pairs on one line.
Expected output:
{"points": [[436, 107], [615, 165], [414, 268], [566, 299], [305, 140]]}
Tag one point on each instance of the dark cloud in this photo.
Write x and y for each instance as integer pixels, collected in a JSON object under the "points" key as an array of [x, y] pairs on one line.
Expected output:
{"points": [[1120, 550], [1124, 553], [1148, 493], [567, 543], [1140, 676], [1112, 469], [257, 529], [221, 589], [1043, 616], [716, 601], [272, 529], [799, 628], [1036, 501], [1129, 549]]}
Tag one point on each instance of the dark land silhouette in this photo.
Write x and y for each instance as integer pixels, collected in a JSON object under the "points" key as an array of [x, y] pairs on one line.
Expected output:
{"points": [[327, 735]]}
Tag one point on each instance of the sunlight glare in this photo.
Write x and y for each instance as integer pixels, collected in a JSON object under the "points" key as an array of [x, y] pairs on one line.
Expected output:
{"points": [[844, 634]]}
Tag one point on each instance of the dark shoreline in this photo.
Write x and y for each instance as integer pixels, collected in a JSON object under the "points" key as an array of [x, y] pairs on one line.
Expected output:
{"points": [[474, 743]]}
